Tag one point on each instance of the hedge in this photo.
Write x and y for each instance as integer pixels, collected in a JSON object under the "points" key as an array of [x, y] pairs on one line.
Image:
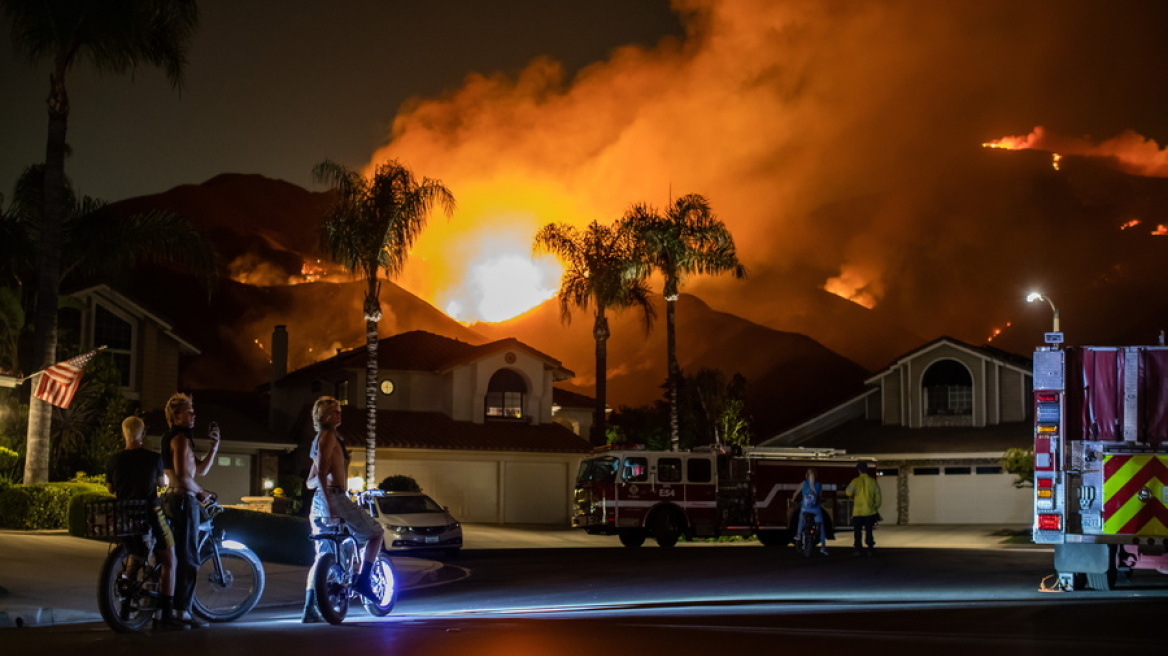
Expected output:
{"points": [[274, 538], [41, 506]]}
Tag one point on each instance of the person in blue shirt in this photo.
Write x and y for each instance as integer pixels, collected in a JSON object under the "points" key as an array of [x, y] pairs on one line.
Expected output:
{"points": [[809, 497]]}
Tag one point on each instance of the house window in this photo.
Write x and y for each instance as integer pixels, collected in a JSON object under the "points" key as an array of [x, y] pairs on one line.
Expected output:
{"points": [[505, 394], [948, 389], [341, 391], [117, 335]]}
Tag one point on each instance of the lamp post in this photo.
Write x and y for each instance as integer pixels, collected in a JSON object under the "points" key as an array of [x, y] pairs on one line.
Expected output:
{"points": [[1035, 296]]}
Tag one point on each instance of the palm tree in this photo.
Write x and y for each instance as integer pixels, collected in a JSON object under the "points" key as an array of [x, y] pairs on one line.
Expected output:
{"points": [[114, 36], [601, 271], [370, 227], [687, 240], [95, 244]]}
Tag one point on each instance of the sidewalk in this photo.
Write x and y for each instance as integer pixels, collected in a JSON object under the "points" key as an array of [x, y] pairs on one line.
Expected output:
{"points": [[50, 577]]}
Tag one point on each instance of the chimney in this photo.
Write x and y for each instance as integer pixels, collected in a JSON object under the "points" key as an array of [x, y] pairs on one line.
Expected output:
{"points": [[279, 353], [279, 370]]}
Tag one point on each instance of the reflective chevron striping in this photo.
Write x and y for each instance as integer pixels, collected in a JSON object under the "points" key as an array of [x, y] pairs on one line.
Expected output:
{"points": [[1125, 477]]}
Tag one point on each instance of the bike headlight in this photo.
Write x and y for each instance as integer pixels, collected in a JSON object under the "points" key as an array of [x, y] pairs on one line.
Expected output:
{"points": [[234, 544]]}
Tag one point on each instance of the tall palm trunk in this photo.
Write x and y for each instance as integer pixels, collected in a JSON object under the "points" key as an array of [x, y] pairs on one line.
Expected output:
{"points": [[599, 419], [372, 317], [674, 370], [40, 414]]}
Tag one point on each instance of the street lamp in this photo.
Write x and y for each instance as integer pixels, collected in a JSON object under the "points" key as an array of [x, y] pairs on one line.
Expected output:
{"points": [[1035, 296]]}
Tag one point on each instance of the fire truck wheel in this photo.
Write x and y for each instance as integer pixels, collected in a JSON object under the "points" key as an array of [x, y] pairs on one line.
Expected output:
{"points": [[1104, 581], [666, 529], [632, 537]]}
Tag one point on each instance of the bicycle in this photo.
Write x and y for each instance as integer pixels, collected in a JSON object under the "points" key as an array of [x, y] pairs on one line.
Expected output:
{"points": [[229, 583], [334, 573], [809, 537]]}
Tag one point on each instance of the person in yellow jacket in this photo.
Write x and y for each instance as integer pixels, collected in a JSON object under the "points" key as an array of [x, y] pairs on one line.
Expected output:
{"points": [[865, 492]]}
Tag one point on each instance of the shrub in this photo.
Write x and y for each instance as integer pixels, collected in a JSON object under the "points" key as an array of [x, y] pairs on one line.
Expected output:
{"points": [[274, 538], [38, 507], [399, 483]]}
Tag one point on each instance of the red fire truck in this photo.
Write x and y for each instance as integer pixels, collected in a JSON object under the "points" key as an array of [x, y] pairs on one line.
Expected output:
{"points": [[635, 493], [1101, 461]]}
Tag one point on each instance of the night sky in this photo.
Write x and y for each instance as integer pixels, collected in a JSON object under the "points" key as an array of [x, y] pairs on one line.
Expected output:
{"points": [[840, 141]]}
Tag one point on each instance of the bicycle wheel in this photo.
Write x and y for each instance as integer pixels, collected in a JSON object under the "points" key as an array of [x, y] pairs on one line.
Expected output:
{"points": [[229, 592], [328, 584], [126, 602], [384, 584]]}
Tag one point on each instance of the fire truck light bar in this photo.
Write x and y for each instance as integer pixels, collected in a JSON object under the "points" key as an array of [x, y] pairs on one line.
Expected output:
{"points": [[1047, 397], [1046, 494], [1047, 428], [1045, 482], [1050, 522]]}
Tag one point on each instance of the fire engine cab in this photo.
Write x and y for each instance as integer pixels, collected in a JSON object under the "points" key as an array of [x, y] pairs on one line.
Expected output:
{"points": [[635, 494], [1101, 461]]}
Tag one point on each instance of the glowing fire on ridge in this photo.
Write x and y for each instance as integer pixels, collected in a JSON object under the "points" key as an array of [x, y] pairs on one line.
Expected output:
{"points": [[1132, 152], [854, 285]]}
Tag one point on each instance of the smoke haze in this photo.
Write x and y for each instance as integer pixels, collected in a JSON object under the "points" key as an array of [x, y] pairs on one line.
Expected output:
{"points": [[839, 141]]}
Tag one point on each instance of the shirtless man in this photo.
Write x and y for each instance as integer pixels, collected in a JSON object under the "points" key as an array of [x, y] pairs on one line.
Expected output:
{"points": [[183, 498], [327, 477]]}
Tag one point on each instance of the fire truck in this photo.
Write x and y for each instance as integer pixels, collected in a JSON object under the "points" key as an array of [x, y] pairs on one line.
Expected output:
{"points": [[1101, 461], [636, 494]]}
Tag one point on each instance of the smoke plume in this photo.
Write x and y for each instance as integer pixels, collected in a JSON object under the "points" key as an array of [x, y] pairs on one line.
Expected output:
{"points": [[839, 141]]}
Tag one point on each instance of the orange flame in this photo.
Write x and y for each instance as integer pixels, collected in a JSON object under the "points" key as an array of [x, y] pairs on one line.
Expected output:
{"points": [[1161, 230], [1130, 224], [854, 285], [1132, 153]]}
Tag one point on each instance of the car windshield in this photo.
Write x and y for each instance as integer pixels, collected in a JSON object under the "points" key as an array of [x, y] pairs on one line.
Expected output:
{"points": [[391, 505], [599, 470]]}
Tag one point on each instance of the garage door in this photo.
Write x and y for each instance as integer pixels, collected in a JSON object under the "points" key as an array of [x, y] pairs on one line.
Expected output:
{"points": [[469, 489], [967, 495], [536, 493], [229, 477]]}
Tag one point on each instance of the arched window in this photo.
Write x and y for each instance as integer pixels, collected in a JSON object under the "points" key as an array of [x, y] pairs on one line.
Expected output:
{"points": [[948, 389], [505, 395]]}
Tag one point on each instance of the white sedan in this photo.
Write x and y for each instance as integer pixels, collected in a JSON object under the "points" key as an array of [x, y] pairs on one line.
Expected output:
{"points": [[415, 522]]}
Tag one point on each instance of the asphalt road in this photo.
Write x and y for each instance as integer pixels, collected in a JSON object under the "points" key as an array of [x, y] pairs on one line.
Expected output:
{"points": [[613, 601]]}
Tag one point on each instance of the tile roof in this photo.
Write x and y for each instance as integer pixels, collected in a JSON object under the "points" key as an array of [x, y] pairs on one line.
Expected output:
{"points": [[871, 437], [569, 399], [435, 430], [419, 350]]}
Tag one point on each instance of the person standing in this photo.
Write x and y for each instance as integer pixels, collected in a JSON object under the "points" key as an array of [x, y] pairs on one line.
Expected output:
{"points": [[328, 477], [809, 496], [865, 493], [183, 500], [135, 475]]}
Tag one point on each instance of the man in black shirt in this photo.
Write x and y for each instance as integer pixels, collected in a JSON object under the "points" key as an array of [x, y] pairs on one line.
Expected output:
{"points": [[134, 475]]}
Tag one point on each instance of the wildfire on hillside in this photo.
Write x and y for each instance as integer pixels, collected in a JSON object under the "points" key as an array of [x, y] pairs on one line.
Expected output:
{"points": [[1132, 152]]}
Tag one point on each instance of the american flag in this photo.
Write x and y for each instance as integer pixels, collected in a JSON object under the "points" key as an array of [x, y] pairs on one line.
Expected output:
{"points": [[59, 382]]}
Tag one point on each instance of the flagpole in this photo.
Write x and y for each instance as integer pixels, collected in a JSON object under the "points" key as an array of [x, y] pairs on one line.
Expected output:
{"points": [[20, 381]]}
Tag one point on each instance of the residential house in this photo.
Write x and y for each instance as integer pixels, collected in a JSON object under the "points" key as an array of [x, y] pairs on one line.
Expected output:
{"points": [[480, 427], [937, 420], [147, 351]]}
